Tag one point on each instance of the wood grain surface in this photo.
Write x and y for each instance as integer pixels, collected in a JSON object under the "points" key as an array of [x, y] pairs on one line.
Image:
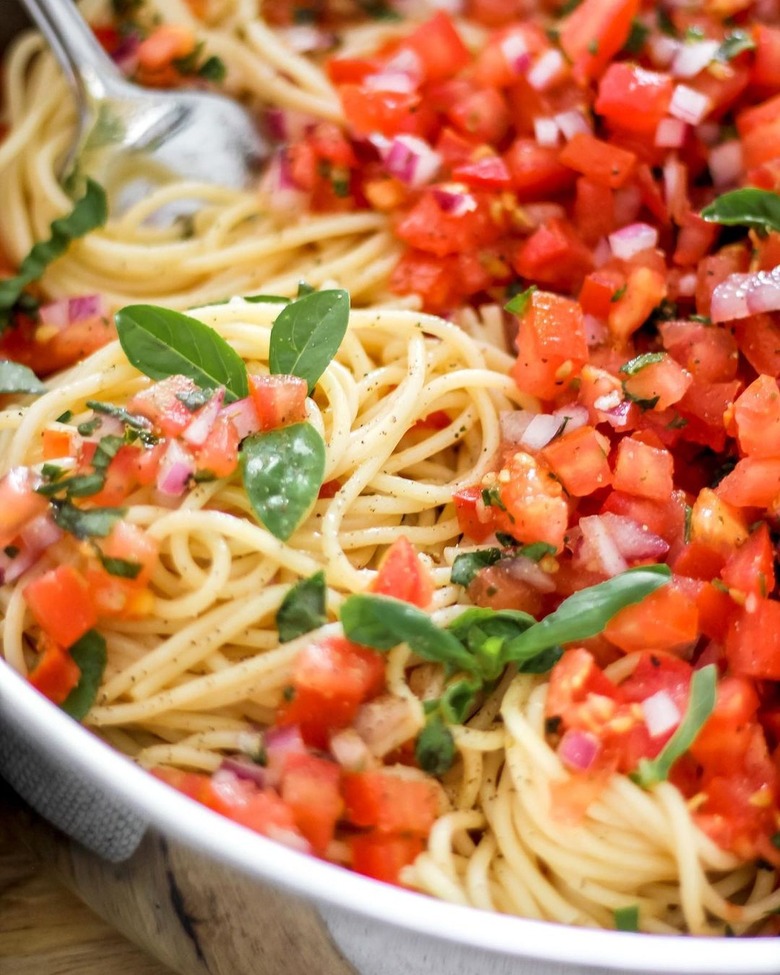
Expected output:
{"points": [[47, 930]]}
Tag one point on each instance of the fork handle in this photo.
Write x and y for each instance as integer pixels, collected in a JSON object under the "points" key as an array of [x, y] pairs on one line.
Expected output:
{"points": [[86, 65]]}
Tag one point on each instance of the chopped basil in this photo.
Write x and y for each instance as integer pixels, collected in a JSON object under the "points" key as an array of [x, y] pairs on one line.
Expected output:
{"points": [[637, 37], [195, 399], [701, 701], [640, 362], [85, 523], [434, 748], [213, 69], [282, 472], [88, 427], [627, 918], [303, 608], [536, 551], [64, 417], [161, 343], [16, 378], [736, 42], [89, 653], [748, 207], [518, 304], [617, 295], [491, 498], [133, 420], [122, 568], [89, 212], [78, 486], [266, 300], [467, 564], [307, 334]]}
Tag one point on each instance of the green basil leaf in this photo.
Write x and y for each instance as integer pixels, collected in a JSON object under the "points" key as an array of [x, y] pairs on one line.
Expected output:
{"points": [[16, 378], [133, 420], [89, 653], [282, 472], [457, 700], [307, 334], [736, 42], [382, 622], [638, 363], [121, 568], [78, 486], [518, 303], [435, 747], [748, 207], [88, 213], [587, 612], [467, 564], [85, 523], [266, 300], [536, 551], [543, 662], [627, 918], [701, 702], [488, 634], [161, 343], [303, 608]]}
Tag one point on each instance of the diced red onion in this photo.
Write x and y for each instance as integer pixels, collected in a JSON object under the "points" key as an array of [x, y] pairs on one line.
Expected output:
{"points": [[602, 252], [243, 415], [662, 49], [633, 540], [632, 239], [513, 424], [573, 416], [546, 69], [602, 550], [278, 188], [283, 741], [741, 295], [541, 430], [526, 570], [288, 124], [454, 199], [619, 417], [385, 723], [578, 750], [350, 751], [412, 160], [725, 162], [596, 331], [40, 533], [197, 431], [125, 55], [245, 768], [661, 714], [670, 133], [395, 81], [63, 312], [690, 59], [686, 285], [675, 186], [572, 122], [176, 468], [546, 131], [689, 105], [516, 53]]}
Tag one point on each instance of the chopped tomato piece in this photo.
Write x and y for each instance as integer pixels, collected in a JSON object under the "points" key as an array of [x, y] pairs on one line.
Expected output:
{"points": [[439, 47], [667, 619], [62, 605], [383, 857], [598, 160], [310, 790], [757, 418], [278, 400], [19, 502], [56, 672], [552, 347], [634, 98], [402, 575], [390, 804], [753, 641], [534, 508], [579, 460], [643, 469], [594, 33]]}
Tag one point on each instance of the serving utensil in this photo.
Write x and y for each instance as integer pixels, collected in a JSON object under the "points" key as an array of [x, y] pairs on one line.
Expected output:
{"points": [[131, 139]]}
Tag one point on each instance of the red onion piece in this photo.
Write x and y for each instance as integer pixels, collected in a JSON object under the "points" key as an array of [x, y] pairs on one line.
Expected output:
{"points": [[600, 551], [197, 431], [574, 416], [125, 55], [546, 131], [741, 295], [176, 468], [516, 53], [689, 105], [661, 713], [572, 122], [40, 533], [395, 81], [726, 163], [245, 768], [513, 424], [528, 571], [578, 750], [632, 239], [541, 430], [690, 59], [454, 199], [670, 133], [412, 160], [546, 69], [63, 312], [633, 540], [350, 751], [243, 415]]}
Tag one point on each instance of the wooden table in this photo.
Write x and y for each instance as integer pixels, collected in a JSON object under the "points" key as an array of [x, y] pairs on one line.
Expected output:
{"points": [[45, 929]]}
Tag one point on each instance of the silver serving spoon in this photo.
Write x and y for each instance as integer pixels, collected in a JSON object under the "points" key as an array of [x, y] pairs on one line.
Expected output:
{"points": [[132, 139]]}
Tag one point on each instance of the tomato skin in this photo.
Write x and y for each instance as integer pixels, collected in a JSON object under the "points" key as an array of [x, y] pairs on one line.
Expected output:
{"points": [[643, 469], [482, 114], [387, 112], [667, 619], [19, 502], [389, 804], [753, 641], [766, 62], [535, 508], [28, 343], [757, 418], [751, 567], [219, 454], [383, 857], [330, 680], [161, 403], [594, 33], [61, 603], [552, 347], [310, 790], [579, 460], [724, 737], [554, 255], [278, 400], [402, 575], [439, 46], [754, 482], [633, 98], [598, 160], [709, 354], [56, 672], [428, 228]]}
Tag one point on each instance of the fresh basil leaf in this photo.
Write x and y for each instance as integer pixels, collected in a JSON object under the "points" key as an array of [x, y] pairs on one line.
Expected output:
{"points": [[121, 568], [303, 608], [518, 304], [161, 343], [457, 700], [266, 300], [627, 918], [282, 472], [637, 37], [133, 420], [16, 378], [383, 622], [736, 42], [85, 523], [307, 334], [90, 655], [639, 362], [88, 213], [467, 564], [543, 662], [304, 288], [213, 69], [748, 207], [78, 486], [488, 634], [701, 701], [586, 613], [435, 747]]}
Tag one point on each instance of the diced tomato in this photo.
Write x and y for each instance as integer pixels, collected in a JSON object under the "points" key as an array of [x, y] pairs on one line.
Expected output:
{"points": [[634, 98], [56, 443], [388, 803], [659, 384], [766, 60], [534, 508], [667, 619], [573, 678], [579, 460], [474, 520], [164, 404], [753, 641], [132, 555], [598, 160], [750, 569], [19, 502], [331, 679], [402, 575], [757, 418], [645, 289], [754, 482], [709, 353], [536, 170], [486, 172], [47, 350], [482, 114], [353, 71], [261, 810], [219, 454], [310, 790], [383, 857], [166, 43], [643, 470], [594, 215], [371, 111], [552, 347], [498, 587], [61, 603], [594, 33], [554, 255], [428, 228], [278, 400], [439, 47], [56, 673]]}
